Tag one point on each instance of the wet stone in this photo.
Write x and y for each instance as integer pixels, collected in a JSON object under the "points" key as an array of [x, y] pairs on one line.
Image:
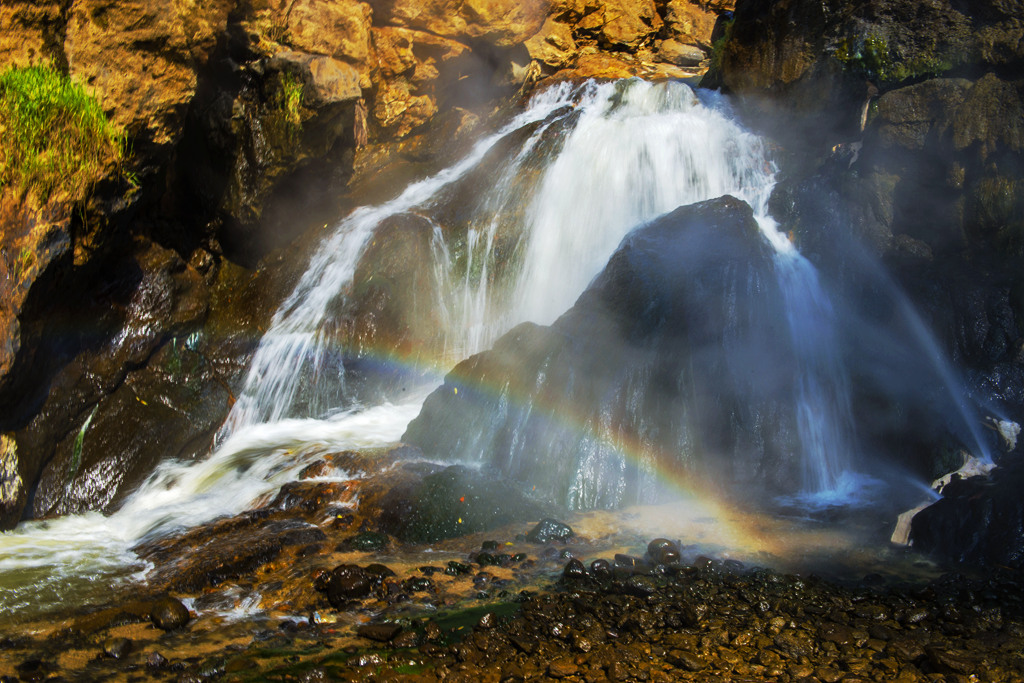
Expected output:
{"points": [[117, 648], [382, 633], [601, 569], [663, 551], [574, 570], [368, 541], [550, 530], [169, 614], [456, 568], [155, 660], [563, 667]]}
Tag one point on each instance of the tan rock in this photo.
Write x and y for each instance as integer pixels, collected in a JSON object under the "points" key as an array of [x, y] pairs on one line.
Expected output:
{"points": [[29, 31], [12, 488], [504, 23], [139, 58], [325, 79], [679, 53], [397, 109], [414, 53], [602, 65], [623, 23], [553, 44], [690, 21], [337, 28]]}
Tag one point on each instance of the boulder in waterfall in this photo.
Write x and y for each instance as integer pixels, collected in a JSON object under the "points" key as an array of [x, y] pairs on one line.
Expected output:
{"points": [[676, 363]]}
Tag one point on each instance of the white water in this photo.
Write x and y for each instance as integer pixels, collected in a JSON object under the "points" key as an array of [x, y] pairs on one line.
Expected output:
{"points": [[69, 559], [628, 152]]}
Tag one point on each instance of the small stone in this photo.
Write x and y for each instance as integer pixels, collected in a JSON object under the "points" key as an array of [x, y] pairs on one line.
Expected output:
{"points": [[574, 570], [155, 660], [562, 667], [457, 568], [169, 614], [382, 633], [117, 647], [601, 569], [687, 661], [487, 621], [550, 530], [663, 551], [406, 639]]}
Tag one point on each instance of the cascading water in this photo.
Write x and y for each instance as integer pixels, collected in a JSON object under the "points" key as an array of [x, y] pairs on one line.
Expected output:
{"points": [[590, 163]]}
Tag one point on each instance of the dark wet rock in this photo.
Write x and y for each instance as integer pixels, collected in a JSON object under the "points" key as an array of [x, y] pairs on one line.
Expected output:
{"points": [[155, 660], [978, 520], [456, 568], [451, 502], [368, 542], [601, 569], [118, 648], [575, 570], [382, 633], [548, 530], [392, 305], [169, 614], [224, 550], [663, 551], [348, 582], [379, 570], [488, 621]]}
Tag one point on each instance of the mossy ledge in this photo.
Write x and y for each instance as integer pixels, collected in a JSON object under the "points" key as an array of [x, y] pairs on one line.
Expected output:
{"points": [[57, 140]]}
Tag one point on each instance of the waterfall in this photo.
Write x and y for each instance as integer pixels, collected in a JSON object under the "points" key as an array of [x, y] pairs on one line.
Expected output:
{"points": [[587, 164], [609, 157]]}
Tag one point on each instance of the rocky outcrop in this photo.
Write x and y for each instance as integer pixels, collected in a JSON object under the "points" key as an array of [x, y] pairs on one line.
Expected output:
{"points": [[821, 63], [978, 521]]}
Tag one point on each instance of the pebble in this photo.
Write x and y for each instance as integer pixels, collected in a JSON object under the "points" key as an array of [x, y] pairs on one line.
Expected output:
{"points": [[169, 614]]}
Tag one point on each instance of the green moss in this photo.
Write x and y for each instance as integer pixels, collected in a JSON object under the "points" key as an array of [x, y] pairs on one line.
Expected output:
{"points": [[288, 108], [718, 48], [873, 58], [55, 136]]}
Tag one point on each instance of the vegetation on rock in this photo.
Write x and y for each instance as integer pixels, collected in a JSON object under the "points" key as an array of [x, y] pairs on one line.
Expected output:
{"points": [[56, 138]]}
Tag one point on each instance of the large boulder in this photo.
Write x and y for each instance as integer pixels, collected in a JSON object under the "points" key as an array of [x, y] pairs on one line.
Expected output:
{"points": [[671, 362]]}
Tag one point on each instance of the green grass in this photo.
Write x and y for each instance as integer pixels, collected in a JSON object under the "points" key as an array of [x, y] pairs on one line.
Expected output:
{"points": [[55, 140]]}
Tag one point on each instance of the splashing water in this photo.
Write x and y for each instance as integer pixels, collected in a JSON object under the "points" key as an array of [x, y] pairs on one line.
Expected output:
{"points": [[74, 559]]}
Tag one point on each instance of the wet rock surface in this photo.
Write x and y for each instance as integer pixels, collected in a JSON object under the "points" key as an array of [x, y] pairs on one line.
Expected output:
{"points": [[644, 621]]}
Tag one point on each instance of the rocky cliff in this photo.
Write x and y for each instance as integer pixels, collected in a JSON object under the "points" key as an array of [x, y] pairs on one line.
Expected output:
{"points": [[903, 128], [128, 314]]}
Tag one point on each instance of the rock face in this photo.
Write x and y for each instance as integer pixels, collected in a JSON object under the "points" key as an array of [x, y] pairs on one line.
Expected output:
{"points": [[657, 363], [908, 119], [818, 62]]}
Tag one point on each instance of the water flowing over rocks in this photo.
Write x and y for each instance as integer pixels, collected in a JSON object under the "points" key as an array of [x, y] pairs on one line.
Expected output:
{"points": [[657, 326], [237, 114]]}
